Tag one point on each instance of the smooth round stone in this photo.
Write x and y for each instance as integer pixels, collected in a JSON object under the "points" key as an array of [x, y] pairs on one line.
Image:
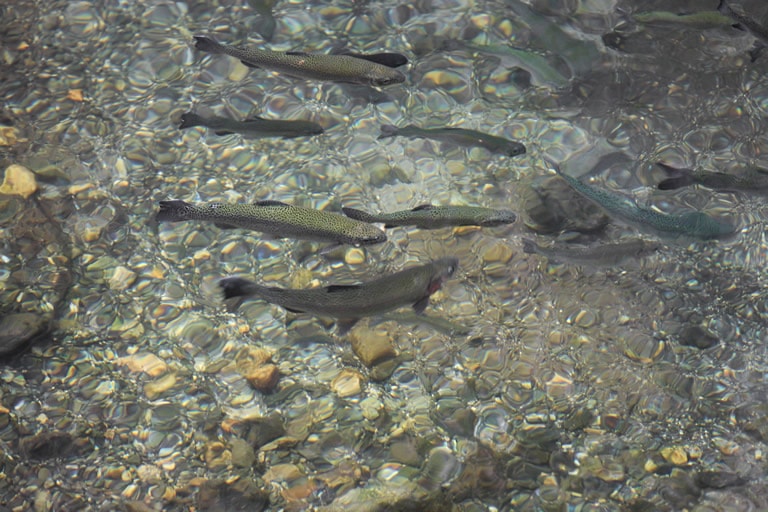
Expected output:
{"points": [[347, 383], [19, 328], [18, 181]]}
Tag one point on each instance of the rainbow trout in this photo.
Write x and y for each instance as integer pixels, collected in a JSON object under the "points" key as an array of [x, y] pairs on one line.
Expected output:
{"points": [[358, 69], [433, 217], [693, 224], [458, 136], [277, 219], [252, 127], [604, 254], [702, 20], [753, 181], [348, 303], [744, 22]]}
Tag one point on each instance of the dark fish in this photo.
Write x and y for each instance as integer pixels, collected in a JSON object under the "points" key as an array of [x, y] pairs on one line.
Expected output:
{"points": [[389, 59], [412, 286], [693, 224], [458, 136], [433, 217], [277, 219], [266, 24], [701, 20], [744, 22], [312, 66], [252, 127], [753, 181], [603, 254]]}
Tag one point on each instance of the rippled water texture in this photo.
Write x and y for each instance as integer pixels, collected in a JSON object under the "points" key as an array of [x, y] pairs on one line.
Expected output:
{"points": [[533, 383]]}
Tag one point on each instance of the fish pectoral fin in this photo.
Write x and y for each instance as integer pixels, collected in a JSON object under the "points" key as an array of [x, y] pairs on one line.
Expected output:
{"points": [[335, 288], [223, 132], [270, 202], [250, 65], [420, 305], [293, 310], [224, 225], [344, 325]]}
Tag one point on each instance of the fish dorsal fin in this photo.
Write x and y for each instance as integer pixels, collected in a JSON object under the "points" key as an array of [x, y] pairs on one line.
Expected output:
{"points": [[223, 132], [335, 288], [297, 53], [270, 202], [390, 60], [293, 310], [423, 207]]}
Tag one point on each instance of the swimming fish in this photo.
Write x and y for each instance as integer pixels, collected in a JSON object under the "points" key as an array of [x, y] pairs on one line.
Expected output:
{"points": [[316, 66], [744, 22], [277, 219], [693, 224], [754, 180], [432, 217], [604, 254], [701, 20], [266, 25], [458, 136], [252, 127], [349, 303]]}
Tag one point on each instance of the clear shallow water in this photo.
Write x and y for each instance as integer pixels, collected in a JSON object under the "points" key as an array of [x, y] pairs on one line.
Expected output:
{"points": [[563, 386]]}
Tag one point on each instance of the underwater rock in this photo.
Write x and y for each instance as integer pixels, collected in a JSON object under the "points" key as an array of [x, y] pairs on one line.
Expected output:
{"points": [[255, 364], [224, 496], [18, 181], [243, 454], [54, 444], [260, 431], [371, 347], [718, 479], [18, 329], [552, 206], [347, 383], [697, 336]]}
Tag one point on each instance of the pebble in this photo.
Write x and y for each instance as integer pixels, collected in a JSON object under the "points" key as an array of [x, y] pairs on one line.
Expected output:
{"points": [[354, 256], [121, 278], [145, 362], [675, 455], [157, 387], [255, 364], [347, 383], [371, 347], [18, 329], [217, 455], [18, 181]]}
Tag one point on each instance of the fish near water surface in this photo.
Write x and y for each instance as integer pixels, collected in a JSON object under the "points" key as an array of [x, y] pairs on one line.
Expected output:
{"points": [[749, 24], [754, 181], [252, 127], [693, 224], [432, 217], [311, 66], [277, 219], [348, 303], [614, 253], [702, 20], [458, 136]]}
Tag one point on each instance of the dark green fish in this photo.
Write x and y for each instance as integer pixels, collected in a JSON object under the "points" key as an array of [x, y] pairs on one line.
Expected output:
{"points": [[458, 136], [701, 20], [252, 127], [754, 181], [433, 217], [693, 224], [311, 66], [744, 22], [604, 254], [266, 24], [277, 219], [412, 286]]}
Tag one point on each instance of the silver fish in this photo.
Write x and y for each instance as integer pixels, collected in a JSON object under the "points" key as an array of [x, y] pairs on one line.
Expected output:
{"points": [[312, 66], [277, 219], [432, 217], [412, 286], [458, 136], [252, 127], [614, 253], [754, 181]]}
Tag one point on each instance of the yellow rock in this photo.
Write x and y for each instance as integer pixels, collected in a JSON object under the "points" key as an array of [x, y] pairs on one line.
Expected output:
{"points": [[354, 256], [347, 383], [371, 347], [19, 181], [157, 387], [144, 362], [255, 364], [675, 455]]}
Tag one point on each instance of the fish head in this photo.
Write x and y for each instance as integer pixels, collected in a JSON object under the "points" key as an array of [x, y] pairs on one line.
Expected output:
{"points": [[443, 269], [702, 225], [368, 234], [386, 76], [514, 149], [500, 218]]}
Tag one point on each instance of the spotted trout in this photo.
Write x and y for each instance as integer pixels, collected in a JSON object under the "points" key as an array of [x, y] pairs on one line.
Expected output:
{"points": [[348, 303], [277, 219], [458, 136], [754, 181], [692, 224], [432, 217], [252, 127], [312, 66]]}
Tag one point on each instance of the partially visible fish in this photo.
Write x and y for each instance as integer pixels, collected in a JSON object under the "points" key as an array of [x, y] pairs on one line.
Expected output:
{"points": [[267, 24], [693, 224], [311, 66], [744, 22], [432, 217], [459, 136], [277, 219], [348, 303], [753, 181], [701, 20], [605, 254], [252, 127]]}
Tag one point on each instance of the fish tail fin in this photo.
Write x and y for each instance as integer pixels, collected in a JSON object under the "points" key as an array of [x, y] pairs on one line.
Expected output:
{"points": [[207, 44], [723, 7], [356, 214], [529, 246], [173, 211], [387, 130], [237, 287], [677, 177], [191, 119]]}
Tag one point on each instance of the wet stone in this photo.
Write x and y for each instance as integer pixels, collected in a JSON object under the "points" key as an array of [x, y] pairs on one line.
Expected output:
{"points": [[261, 431], [552, 206], [347, 383], [18, 181], [48, 445], [372, 347], [255, 364], [243, 454], [18, 329], [697, 337], [242, 494], [718, 479]]}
